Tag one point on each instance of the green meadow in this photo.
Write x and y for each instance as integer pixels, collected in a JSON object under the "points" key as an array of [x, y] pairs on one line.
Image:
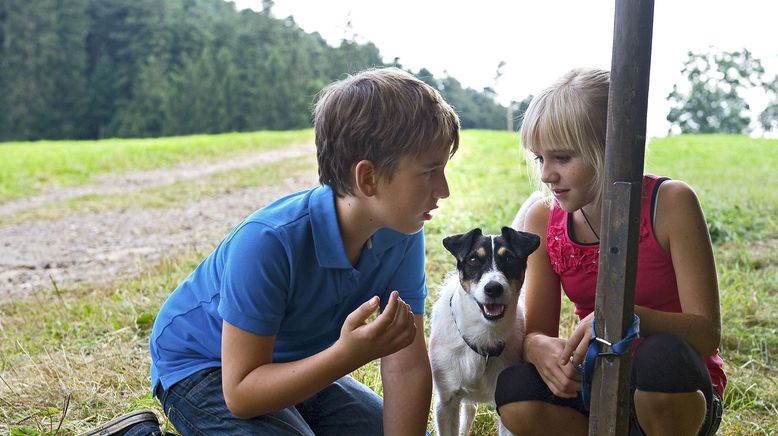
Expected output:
{"points": [[29, 167], [74, 357]]}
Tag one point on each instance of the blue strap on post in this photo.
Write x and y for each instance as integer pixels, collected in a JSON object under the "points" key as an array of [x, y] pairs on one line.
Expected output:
{"points": [[587, 368]]}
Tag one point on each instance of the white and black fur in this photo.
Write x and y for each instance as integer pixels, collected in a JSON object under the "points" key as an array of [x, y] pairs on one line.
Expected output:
{"points": [[477, 324]]}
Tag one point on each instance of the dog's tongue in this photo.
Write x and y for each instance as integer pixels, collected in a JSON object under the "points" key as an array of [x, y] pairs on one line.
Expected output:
{"points": [[494, 309]]}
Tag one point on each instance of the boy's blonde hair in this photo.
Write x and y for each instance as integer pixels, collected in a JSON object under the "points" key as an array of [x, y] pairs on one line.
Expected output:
{"points": [[380, 115], [571, 115]]}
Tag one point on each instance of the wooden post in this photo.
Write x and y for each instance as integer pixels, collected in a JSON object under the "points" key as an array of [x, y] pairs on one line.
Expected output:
{"points": [[624, 156]]}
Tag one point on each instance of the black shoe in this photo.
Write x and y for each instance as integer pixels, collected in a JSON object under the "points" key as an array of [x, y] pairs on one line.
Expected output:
{"points": [[120, 425]]}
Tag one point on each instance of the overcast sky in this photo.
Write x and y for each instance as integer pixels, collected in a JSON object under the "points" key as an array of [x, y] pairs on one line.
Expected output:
{"points": [[539, 39]]}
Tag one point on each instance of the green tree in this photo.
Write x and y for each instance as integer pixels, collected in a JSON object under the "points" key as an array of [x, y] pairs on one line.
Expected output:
{"points": [[105, 68], [198, 101], [476, 110], [41, 68], [5, 75], [714, 102], [101, 92], [427, 77], [769, 116], [144, 115], [518, 110], [123, 36]]}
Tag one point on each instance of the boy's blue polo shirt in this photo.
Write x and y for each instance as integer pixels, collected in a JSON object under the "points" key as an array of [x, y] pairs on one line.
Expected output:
{"points": [[283, 271]]}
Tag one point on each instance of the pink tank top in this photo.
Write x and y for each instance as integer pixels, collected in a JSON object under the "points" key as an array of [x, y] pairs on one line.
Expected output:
{"points": [[576, 265]]}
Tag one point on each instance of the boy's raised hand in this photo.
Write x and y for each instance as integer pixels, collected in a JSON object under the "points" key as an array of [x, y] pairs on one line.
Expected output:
{"points": [[393, 330]]}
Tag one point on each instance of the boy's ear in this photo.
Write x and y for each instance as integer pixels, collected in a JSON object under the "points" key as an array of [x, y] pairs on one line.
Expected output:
{"points": [[366, 177]]}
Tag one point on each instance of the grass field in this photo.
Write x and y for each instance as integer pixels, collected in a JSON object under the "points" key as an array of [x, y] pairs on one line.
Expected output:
{"points": [[29, 167], [71, 358]]}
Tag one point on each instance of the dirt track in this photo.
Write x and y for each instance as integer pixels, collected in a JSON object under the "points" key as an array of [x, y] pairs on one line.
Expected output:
{"points": [[98, 248]]}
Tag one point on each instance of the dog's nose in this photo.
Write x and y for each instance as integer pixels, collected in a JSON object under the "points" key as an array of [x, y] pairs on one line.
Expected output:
{"points": [[493, 289]]}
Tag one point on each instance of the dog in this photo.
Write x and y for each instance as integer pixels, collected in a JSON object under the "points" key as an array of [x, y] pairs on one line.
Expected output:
{"points": [[477, 323]]}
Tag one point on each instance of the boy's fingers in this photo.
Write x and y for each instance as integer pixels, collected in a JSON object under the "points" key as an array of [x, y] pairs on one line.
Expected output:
{"points": [[386, 318], [402, 311], [404, 318], [362, 313], [401, 317]]}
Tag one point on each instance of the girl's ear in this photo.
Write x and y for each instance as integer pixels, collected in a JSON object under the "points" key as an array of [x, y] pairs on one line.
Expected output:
{"points": [[366, 177]]}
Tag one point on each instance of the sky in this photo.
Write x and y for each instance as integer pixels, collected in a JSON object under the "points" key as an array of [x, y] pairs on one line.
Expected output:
{"points": [[539, 40]]}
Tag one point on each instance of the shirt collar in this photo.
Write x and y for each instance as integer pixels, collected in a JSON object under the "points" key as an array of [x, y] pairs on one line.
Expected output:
{"points": [[384, 239], [327, 239]]}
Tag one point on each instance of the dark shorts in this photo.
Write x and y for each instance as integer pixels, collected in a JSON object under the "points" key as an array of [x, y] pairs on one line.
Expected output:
{"points": [[662, 363]]}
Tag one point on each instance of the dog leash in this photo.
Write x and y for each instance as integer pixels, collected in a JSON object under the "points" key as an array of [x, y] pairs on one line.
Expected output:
{"points": [[587, 368], [489, 352]]}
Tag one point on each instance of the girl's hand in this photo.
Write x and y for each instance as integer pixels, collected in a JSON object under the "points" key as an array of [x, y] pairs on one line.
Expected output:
{"points": [[561, 378], [578, 343]]}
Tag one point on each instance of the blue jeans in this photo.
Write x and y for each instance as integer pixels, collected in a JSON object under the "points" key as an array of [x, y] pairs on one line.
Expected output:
{"points": [[195, 406]]}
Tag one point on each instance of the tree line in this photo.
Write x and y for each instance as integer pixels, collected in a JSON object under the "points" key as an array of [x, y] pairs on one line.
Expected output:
{"points": [[89, 69]]}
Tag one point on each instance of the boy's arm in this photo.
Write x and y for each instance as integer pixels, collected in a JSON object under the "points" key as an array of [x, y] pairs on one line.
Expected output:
{"points": [[407, 382], [253, 385]]}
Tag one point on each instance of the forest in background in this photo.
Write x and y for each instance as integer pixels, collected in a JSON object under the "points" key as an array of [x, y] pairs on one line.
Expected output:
{"points": [[92, 69]]}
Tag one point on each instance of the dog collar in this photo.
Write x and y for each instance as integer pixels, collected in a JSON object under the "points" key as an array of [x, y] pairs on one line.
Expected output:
{"points": [[492, 351]]}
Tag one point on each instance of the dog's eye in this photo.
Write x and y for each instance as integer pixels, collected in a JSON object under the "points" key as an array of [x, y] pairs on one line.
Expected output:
{"points": [[509, 257], [473, 261]]}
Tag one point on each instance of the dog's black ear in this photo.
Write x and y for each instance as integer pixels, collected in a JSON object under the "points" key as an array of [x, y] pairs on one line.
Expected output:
{"points": [[523, 243], [459, 245]]}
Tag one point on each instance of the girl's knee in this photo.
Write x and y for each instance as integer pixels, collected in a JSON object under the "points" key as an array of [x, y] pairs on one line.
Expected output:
{"points": [[670, 413], [541, 418], [664, 402], [521, 416]]}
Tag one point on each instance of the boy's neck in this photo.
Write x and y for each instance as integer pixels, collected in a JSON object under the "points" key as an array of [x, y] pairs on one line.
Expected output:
{"points": [[356, 225]]}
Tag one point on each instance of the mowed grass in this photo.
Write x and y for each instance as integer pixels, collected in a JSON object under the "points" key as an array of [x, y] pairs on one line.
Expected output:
{"points": [[26, 168], [176, 194], [73, 358]]}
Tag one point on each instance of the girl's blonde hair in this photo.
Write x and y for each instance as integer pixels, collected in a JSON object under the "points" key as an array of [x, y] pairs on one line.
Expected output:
{"points": [[570, 115]]}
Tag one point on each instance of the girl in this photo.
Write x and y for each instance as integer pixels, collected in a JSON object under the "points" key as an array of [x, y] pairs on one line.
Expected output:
{"points": [[677, 376]]}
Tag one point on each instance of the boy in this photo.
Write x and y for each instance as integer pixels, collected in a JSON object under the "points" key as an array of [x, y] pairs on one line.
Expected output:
{"points": [[262, 335]]}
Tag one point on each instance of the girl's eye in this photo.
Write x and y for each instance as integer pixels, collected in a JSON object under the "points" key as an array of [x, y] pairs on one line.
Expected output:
{"points": [[539, 159], [563, 158]]}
